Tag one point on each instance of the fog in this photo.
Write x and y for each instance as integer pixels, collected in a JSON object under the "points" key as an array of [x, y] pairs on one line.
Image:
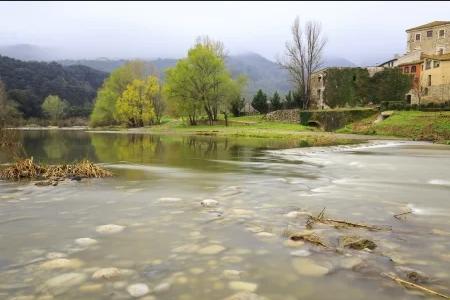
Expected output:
{"points": [[366, 32]]}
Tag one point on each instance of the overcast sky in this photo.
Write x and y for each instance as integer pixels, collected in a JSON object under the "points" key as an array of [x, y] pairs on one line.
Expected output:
{"points": [[365, 32]]}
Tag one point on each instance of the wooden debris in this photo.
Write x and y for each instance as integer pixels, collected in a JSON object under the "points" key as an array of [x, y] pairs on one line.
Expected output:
{"points": [[414, 286], [397, 216], [308, 237], [340, 223], [356, 243], [27, 169]]}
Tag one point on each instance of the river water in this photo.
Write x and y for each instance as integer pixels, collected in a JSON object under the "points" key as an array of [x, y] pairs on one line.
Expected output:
{"points": [[52, 243]]}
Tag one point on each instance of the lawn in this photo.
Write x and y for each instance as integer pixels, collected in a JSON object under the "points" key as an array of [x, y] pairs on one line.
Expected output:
{"points": [[417, 125]]}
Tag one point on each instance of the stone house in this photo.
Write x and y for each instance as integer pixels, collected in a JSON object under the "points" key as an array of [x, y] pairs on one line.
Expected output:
{"points": [[435, 78], [430, 38]]}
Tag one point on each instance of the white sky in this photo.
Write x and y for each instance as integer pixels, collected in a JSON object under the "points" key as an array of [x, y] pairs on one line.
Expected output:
{"points": [[363, 32]]}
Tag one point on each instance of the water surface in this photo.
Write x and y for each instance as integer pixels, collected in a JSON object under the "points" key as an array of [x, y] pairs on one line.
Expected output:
{"points": [[155, 195]]}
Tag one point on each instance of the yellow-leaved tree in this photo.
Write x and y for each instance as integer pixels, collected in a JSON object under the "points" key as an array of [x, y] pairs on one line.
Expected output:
{"points": [[134, 108]]}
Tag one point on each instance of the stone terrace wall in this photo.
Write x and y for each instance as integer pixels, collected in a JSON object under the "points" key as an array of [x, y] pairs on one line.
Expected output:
{"points": [[285, 115]]}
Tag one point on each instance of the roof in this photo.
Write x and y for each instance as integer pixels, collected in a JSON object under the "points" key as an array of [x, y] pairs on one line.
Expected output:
{"points": [[429, 25], [437, 57], [412, 63], [388, 61]]}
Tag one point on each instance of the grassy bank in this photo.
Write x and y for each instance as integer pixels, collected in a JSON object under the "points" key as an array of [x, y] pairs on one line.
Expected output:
{"points": [[416, 125], [250, 127]]}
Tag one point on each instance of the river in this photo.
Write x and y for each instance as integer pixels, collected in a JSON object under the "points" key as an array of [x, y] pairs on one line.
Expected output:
{"points": [[162, 243]]}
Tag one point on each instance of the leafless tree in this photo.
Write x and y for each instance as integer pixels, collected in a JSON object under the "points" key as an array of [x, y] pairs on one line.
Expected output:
{"points": [[303, 56], [216, 46]]}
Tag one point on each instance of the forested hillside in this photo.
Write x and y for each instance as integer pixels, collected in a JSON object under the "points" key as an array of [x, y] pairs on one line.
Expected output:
{"points": [[29, 83]]}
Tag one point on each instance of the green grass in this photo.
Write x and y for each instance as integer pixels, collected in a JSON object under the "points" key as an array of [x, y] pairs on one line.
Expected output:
{"points": [[252, 127], [416, 125]]}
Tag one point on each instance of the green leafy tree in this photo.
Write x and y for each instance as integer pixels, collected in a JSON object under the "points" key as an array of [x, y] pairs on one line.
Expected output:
{"points": [[112, 88], [200, 83], [54, 108], [288, 101], [135, 106], [260, 102], [237, 105], [275, 102], [8, 111]]}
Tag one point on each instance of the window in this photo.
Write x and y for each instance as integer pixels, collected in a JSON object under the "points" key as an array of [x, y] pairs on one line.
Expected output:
{"points": [[430, 33], [441, 51], [428, 64], [441, 33], [413, 69], [425, 91], [436, 64], [319, 78], [319, 94], [429, 80], [417, 36], [406, 70]]}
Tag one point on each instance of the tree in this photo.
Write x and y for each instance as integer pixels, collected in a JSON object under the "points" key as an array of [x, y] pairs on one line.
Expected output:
{"points": [[54, 107], [237, 105], [260, 102], [304, 56], [135, 106], [200, 82], [275, 102], [8, 111], [112, 88], [159, 105]]}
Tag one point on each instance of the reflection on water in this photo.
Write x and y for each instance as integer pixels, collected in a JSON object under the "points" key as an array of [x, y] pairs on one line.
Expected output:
{"points": [[53, 244]]}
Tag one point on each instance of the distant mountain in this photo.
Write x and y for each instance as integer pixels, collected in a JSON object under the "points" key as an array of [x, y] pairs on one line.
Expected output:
{"points": [[27, 52], [335, 61], [28, 83], [262, 73]]}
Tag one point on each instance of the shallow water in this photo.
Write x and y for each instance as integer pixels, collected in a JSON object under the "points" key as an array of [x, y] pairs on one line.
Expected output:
{"points": [[156, 192]]}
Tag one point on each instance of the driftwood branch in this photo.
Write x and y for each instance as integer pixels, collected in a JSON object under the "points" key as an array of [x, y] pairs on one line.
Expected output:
{"points": [[414, 286]]}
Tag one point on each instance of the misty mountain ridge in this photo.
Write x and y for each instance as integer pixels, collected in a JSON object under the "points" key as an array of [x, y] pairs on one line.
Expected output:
{"points": [[261, 72]]}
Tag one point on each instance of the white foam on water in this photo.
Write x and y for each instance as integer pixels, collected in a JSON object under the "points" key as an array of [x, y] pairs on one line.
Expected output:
{"points": [[439, 182]]}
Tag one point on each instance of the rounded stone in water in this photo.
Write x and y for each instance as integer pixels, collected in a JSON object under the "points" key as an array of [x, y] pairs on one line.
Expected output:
{"points": [[209, 203], [138, 290], [85, 242], [109, 228]]}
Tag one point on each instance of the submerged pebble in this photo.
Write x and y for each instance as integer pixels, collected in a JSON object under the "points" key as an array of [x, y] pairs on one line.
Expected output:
{"points": [[162, 287], [301, 253], [109, 228], [308, 267], [62, 283], [107, 273], [211, 249], [138, 290], [85, 242], [242, 286], [209, 202], [62, 263]]}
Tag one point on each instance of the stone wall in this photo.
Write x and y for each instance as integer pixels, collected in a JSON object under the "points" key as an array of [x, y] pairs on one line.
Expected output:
{"points": [[284, 115], [328, 120]]}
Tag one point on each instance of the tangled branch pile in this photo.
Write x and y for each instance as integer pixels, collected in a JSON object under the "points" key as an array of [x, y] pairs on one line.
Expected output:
{"points": [[27, 169]]}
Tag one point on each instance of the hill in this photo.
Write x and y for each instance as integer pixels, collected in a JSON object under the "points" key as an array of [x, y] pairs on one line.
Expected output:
{"points": [[262, 73], [29, 82]]}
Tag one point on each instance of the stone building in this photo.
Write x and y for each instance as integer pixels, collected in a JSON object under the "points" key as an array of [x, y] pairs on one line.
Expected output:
{"points": [[435, 79], [431, 38]]}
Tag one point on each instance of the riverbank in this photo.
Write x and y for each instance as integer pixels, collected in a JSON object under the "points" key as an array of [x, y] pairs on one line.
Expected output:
{"points": [[415, 125], [254, 127]]}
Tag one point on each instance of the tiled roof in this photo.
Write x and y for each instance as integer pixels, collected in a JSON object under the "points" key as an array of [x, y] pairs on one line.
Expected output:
{"points": [[429, 25]]}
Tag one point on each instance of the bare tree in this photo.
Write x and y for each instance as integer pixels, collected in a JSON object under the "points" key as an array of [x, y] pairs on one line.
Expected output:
{"points": [[303, 56], [216, 46]]}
